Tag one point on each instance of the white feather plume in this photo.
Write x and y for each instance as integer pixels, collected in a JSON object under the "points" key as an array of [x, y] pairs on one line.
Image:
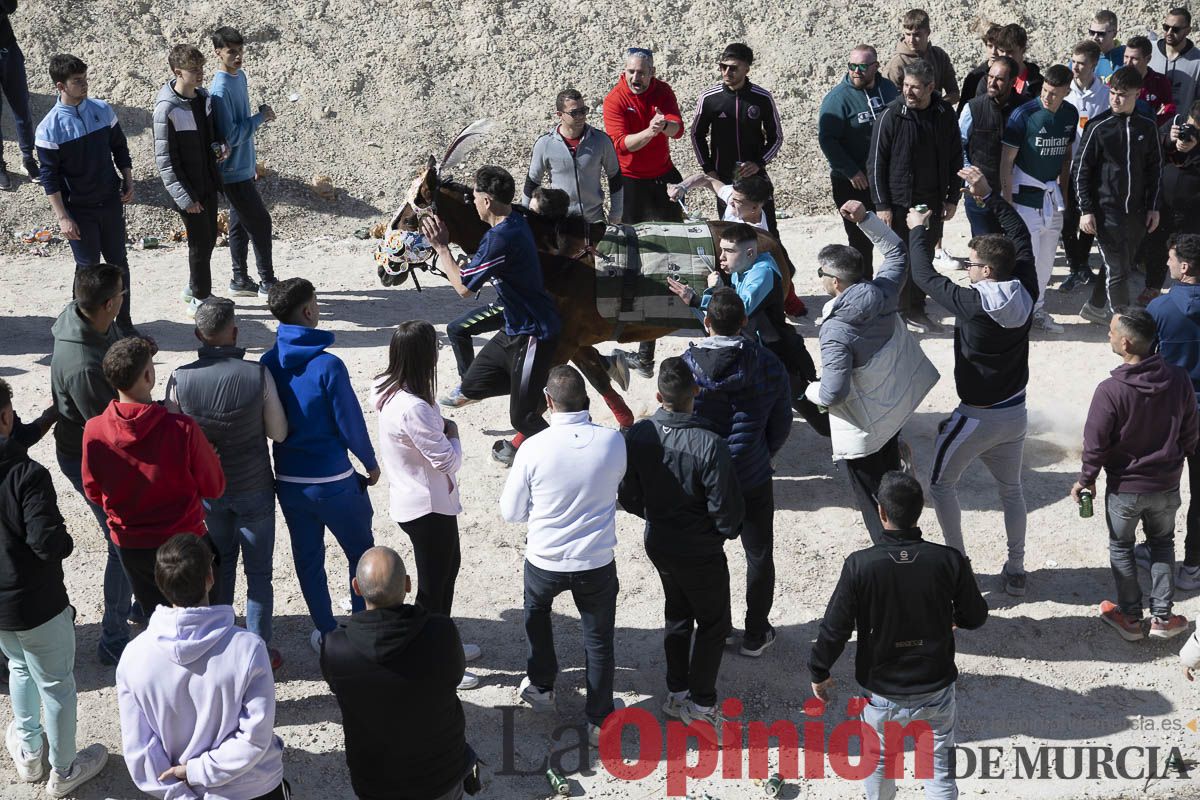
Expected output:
{"points": [[465, 142]]}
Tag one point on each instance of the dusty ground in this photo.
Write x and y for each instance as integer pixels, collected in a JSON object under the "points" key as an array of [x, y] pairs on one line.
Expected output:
{"points": [[1043, 671]]}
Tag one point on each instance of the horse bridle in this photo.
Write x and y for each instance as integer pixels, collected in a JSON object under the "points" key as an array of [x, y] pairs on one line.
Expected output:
{"points": [[430, 264]]}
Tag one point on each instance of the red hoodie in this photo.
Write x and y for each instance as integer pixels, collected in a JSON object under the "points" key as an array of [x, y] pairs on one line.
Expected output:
{"points": [[149, 469], [626, 113]]}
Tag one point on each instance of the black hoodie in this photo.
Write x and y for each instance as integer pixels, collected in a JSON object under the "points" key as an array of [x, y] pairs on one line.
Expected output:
{"points": [[33, 542], [395, 673]]}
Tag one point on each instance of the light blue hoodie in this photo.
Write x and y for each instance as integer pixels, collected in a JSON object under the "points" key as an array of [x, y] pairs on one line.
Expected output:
{"points": [[235, 124], [196, 688]]}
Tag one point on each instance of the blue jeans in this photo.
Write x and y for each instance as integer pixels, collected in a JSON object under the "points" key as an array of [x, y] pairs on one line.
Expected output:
{"points": [[595, 594], [246, 522], [118, 593], [1156, 512], [309, 508], [981, 220], [938, 710], [41, 674], [16, 88]]}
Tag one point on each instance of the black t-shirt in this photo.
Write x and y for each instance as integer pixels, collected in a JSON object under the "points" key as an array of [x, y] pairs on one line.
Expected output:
{"points": [[925, 181]]}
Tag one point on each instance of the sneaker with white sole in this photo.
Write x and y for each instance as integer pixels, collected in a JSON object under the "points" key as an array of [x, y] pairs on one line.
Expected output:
{"points": [[87, 764], [1168, 627], [31, 767], [471, 652], [618, 369], [455, 398], [755, 647], [1130, 628], [469, 681], [192, 305], [1043, 322], [346, 604], [1187, 579], [691, 712], [541, 700], [315, 640], [944, 261], [673, 705], [1094, 314]]}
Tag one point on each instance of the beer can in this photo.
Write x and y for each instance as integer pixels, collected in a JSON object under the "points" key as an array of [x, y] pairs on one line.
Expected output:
{"points": [[558, 783], [216, 149], [922, 209], [1085, 504], [149, 242], [774, 785]]}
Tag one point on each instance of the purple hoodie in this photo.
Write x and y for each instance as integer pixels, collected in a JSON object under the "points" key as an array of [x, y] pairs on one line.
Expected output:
{"points": [[195, 688], [1141, 426]]}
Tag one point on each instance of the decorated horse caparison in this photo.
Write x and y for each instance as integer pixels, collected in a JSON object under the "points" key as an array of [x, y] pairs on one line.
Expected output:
{"points": [[566, 248]]}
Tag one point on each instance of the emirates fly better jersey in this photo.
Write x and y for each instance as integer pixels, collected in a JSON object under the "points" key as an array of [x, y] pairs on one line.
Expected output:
{"points": [[1041, 139]]}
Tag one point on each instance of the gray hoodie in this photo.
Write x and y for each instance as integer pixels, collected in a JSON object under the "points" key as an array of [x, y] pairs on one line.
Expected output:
{"points": [[579, 174]]}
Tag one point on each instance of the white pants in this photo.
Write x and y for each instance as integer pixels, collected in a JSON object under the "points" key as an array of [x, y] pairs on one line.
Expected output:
{"points": [[1043, 232]]}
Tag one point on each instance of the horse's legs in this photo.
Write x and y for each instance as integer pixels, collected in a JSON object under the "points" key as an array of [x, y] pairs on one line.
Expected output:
{"points": [[591, 364]]}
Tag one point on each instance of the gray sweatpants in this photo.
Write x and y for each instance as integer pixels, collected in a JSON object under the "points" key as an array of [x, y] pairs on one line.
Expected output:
{"points": [[996, 437]]}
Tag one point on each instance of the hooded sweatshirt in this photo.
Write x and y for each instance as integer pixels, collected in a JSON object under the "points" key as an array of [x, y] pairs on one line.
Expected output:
{"points": [[991, 318], [235, 124], [1141, 426], [395, 674], [77, 382], [563, 482], [745, 395], [195, 688], [1177, 315], [846, 120], [944, 80], [1182, 71], [626, 113], [324, 417], [149, 469]]}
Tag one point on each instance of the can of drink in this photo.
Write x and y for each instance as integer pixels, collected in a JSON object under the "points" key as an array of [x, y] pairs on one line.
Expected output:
{"points": [[737, 169], [1085, 503], [149, 243], [216, 149], [922, 209], [558, 783], [774, 785]]}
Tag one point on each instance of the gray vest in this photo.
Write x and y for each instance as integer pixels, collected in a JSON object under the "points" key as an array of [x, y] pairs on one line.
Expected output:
{"points": [[224, 394]]}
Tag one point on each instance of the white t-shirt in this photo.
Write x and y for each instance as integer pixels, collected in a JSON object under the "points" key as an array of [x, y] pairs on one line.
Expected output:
{"points": [[726, 194]]}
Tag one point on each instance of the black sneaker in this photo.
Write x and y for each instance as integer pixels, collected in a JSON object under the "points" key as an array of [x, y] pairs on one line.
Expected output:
{"points": [[755, 647], [109, 654], [32, 170], [1014, 582], [504, 452], [242, 286], [6, 183], [634, 360], [264, 288]]}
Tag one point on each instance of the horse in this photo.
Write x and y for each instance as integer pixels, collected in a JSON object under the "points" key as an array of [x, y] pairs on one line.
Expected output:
{"points": [[567, 254]]}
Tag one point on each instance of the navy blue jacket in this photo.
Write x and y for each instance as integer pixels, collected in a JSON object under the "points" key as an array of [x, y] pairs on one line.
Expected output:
{"points": [[1177, 316], [745, 396], [77, 147]]}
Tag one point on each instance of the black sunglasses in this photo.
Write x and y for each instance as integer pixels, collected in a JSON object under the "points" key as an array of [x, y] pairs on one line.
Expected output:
{"points": [[822, 273], [577, 112], [639, 51], [1097, 34], [1174, 28], [728, 67]]}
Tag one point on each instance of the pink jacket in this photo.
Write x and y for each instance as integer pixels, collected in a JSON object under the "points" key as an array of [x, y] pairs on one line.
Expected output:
{"points": [[419, 460]]}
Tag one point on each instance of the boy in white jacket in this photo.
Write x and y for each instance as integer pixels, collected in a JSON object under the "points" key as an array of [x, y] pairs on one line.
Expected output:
{"points": [[225, 749]]}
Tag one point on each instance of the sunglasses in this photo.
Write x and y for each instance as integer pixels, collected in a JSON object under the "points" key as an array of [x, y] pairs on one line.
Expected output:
{"points": [[728, 67], [577, 112], [1174, 28], [639, 51], [1097, 34], [822, 273], [861, 67]]}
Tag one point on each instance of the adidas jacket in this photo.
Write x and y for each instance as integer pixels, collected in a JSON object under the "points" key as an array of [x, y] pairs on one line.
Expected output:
{"points": [[77, 148], [744, 126]]}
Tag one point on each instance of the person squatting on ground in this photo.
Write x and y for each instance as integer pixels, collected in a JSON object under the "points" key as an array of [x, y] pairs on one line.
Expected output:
{"points": [[196, 693], [398, 662], [680, 478], [745, 395], [517, 359], [37, 622], [422, 454], [236, 404], [1141, 426], [249, 220], [186, 153], [564, 483], [905, 596], [317, 486], [79, 142], [149, 469], [992, 317], [873, 373]]}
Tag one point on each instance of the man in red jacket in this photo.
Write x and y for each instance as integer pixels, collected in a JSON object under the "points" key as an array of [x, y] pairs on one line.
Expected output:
{"points": [[147, 468]]}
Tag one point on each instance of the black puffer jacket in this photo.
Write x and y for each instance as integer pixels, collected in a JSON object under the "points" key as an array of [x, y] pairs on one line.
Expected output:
{"points": [[895, 157], [33, 542], [680, 479], [1118, 166]]}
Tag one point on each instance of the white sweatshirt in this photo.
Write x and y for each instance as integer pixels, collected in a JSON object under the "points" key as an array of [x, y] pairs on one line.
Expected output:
{"points": [[563, 482], [195, 688]]}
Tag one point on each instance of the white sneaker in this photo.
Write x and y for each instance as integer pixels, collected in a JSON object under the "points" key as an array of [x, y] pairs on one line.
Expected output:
{"points": [[673, 707], [1042, 321], [690, 712], [945, 261], [346, 604], [87, 764], [192, 305], [593, 734], [469, 681], [1188, 578], [31, 767], [540, 700], [315, 641], [471, 652], [455, 398]]}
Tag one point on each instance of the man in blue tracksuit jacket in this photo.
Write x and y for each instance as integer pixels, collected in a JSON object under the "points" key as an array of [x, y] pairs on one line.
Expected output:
{"points": [[78, 143], [317, 485]]}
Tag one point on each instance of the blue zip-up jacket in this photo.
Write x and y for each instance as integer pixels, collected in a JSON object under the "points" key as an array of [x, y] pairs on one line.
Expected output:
{"points": [[235, 124], [324, 416], [1177, 317], [77, 147]]}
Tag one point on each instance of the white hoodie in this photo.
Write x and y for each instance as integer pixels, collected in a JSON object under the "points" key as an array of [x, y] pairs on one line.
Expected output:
{"points": [[564, 483], [195, 688]]}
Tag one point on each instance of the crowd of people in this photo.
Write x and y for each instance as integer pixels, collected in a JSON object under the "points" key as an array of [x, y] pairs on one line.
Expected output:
{"points": [[183, 487]]}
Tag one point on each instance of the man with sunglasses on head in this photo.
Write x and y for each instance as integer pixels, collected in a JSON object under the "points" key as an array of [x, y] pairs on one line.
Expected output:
{"points": [[1103, 31], [579, 160], [844, 126], [1176, 56]]}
